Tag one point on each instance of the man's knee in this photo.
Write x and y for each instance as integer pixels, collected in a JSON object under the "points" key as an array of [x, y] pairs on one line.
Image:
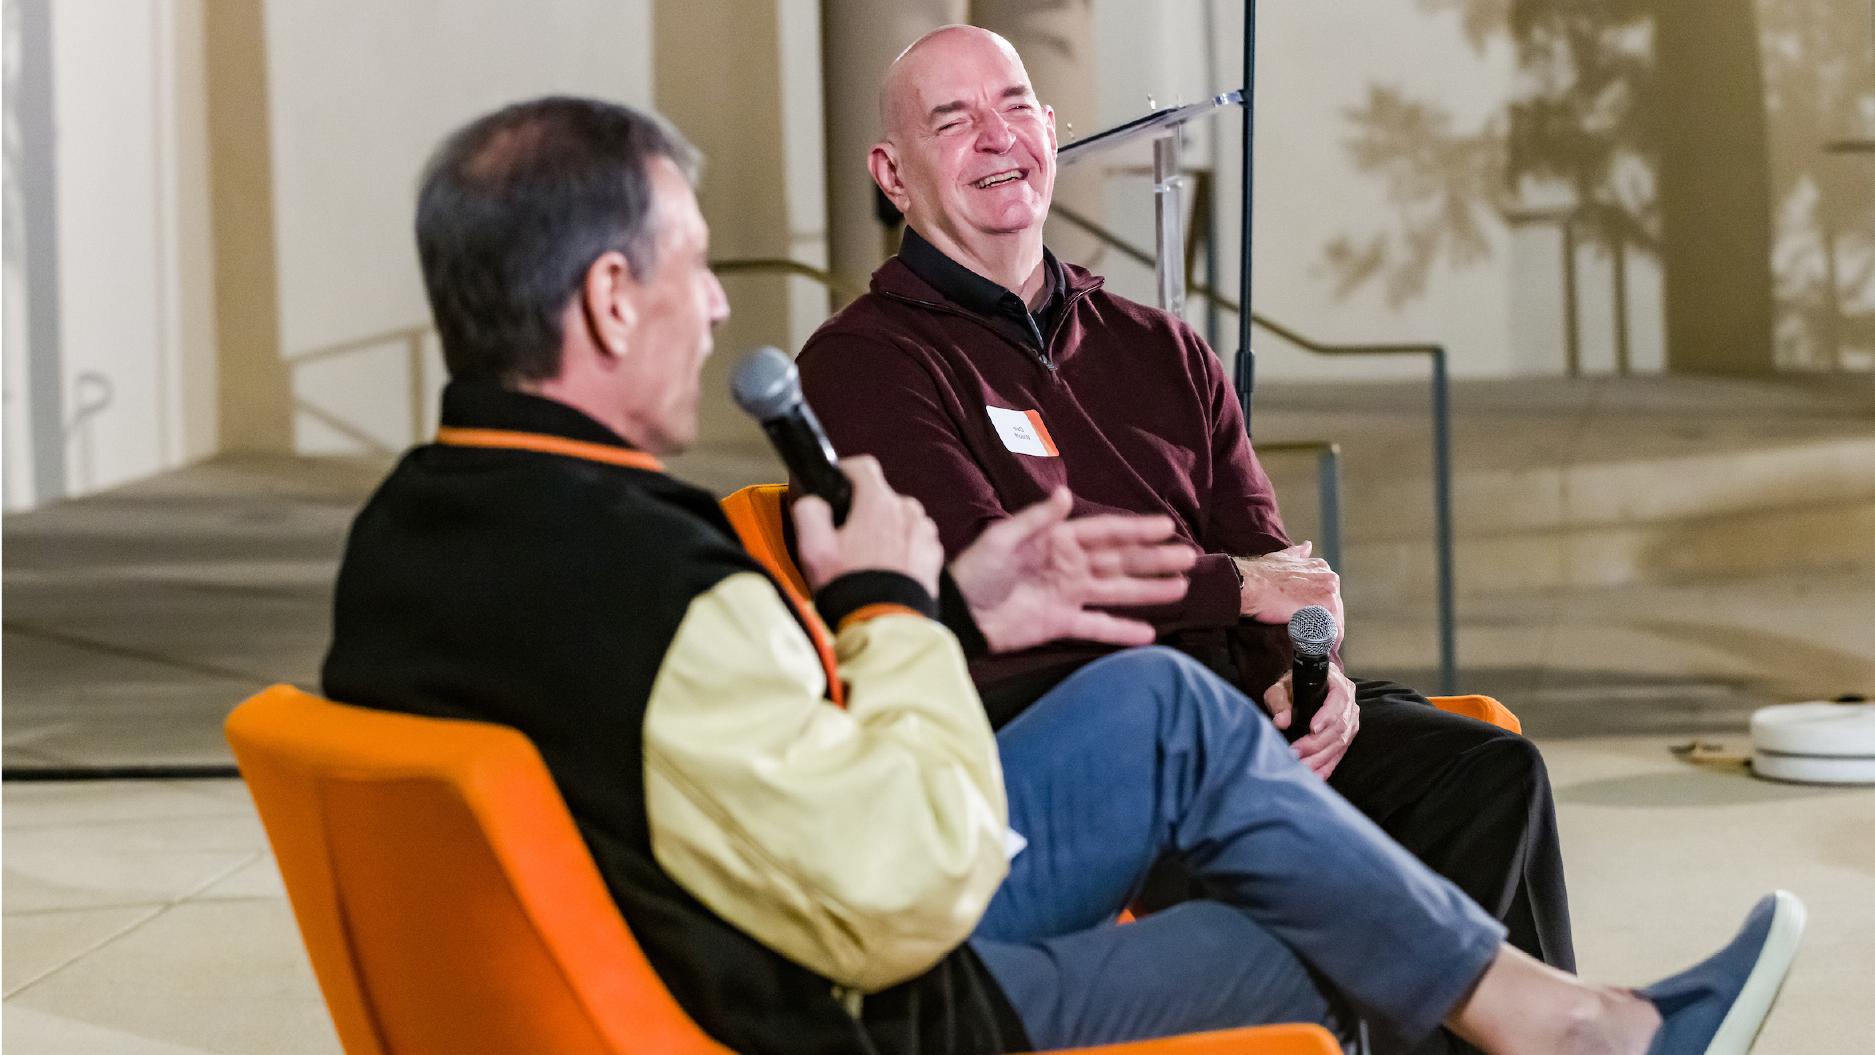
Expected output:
{"points": [[1119, 696], [1143, 696], [1510, 765], [1177, 681], [1149, 661]]}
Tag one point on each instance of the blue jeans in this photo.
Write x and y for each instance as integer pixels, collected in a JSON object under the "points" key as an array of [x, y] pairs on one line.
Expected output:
{"points": [[1144, 754]]}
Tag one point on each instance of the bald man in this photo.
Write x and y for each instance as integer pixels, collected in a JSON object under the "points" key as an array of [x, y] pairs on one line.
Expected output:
{"points": [[984, 374]]}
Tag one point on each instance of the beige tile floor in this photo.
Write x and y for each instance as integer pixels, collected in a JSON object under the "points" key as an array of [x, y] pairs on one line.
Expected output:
{"points": [[147, 917]]}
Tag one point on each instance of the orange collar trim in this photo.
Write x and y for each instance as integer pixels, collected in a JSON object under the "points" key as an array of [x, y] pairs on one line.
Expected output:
{"points": [[545, 444]]}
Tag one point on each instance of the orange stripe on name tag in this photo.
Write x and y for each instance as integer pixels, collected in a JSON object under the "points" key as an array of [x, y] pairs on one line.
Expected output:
{"points": [[1041, 433]]}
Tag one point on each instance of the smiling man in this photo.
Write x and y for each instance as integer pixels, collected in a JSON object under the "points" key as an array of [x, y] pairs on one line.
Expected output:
{"points": [[984, 373]]}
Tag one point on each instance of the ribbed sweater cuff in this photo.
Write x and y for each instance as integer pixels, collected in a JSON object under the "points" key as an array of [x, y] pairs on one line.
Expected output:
{"points": [[860, 589], [954, 613]]}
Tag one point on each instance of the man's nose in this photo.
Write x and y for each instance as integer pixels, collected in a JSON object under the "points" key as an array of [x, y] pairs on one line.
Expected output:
{"points": [[719, 300], [994, 135]]}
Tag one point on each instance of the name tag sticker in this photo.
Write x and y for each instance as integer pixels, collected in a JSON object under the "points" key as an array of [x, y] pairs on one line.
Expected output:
{"points": [[1022, 432], [1013, 844]]}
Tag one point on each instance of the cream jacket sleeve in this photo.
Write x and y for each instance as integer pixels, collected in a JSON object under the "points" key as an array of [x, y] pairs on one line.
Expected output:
{"points": [[863, 843]]}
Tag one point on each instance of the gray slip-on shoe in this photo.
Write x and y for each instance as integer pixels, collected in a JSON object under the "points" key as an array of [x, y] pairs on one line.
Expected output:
{"points": [[1717, 1007]]}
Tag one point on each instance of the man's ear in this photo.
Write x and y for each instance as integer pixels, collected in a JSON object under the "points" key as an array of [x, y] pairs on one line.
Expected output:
{"points": [[609, 299], [883, 164], [1048, 115]]}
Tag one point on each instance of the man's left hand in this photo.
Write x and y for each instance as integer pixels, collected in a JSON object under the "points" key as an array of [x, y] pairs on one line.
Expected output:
{"points": [[1032, 578], [1331, 731]]}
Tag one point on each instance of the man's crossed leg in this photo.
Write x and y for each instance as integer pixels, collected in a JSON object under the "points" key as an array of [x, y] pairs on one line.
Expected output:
{"points": [[1311, 907]]}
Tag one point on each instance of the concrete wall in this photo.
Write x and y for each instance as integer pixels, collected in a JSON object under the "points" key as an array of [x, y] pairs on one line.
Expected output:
{"points": [[1315, 63], [29, 268], [359, 93], [1335, 227], [208, 201], [128, 349], [110, 332], [742, 79], [221, 195]]}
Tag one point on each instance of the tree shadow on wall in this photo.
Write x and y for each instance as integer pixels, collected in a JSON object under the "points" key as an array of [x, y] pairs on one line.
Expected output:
{"points": [[1692, 132]]}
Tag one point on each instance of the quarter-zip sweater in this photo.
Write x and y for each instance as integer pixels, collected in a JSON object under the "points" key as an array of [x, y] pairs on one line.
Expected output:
{"points": [[1135, 416]]}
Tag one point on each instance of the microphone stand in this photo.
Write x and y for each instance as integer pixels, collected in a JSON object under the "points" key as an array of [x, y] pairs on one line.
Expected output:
{"points": [[1163, 126], [1246, 359]]}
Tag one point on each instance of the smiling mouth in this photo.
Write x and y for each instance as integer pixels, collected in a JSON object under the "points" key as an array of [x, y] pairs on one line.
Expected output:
{"points": [[997, 179]]}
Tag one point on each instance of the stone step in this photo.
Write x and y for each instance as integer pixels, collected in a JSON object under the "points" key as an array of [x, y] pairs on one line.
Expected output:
{"points": [[1573, 485], [1697, 655], [1689, 549], [1821, 471]]}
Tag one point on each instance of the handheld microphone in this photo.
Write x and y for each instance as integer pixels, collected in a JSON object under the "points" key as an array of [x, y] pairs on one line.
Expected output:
{"points": [[1312, 633], [768, 388]]}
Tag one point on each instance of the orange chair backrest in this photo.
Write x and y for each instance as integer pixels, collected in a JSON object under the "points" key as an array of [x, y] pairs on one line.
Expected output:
{"points": [[755, 513], [1483, 708], [446, 899]]}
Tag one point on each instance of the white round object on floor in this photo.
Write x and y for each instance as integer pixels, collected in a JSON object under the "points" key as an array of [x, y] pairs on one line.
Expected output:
{"points": [[1815, 743]]}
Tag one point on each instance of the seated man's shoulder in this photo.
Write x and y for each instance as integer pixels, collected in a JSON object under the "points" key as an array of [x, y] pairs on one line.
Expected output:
{"points": [[869, 326], [671, 528], [557, 514], [1121, 313]]}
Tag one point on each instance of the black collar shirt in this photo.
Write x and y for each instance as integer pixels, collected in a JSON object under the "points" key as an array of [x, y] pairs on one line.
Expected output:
{"points": [[974, 293]]}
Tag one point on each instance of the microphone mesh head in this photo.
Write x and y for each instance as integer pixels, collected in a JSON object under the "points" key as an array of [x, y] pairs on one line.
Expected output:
{"points": [[1312, 631], [765, 384]]}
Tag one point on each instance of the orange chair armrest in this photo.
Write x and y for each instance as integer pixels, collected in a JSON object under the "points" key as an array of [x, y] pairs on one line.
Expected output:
{"points": [[1292, 1039], [1483, 708]]}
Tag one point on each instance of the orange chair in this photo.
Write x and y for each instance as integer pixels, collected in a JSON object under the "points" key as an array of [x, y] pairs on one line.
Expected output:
{"points": [[755, 513], [449, 905]]}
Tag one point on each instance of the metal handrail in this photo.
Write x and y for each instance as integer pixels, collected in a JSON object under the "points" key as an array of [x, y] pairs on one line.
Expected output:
{"points": [[1441, 427], [1327, 489], [781, 265], [413, 338]]}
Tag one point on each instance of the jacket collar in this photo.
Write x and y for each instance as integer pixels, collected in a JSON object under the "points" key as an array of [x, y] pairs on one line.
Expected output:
{"points": [[486, 405]]}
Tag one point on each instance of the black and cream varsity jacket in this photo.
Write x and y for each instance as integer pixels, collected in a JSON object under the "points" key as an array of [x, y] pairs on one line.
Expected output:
{"points": [[785, 860]]}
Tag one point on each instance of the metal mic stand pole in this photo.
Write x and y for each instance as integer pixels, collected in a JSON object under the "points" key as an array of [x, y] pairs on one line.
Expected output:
{"points": [[1246, 359], [1163, 127]]}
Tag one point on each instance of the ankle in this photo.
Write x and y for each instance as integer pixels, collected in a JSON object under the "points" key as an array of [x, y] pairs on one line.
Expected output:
{"points": [[1639, 1018], [1586, 1025], [1608, 1021]]}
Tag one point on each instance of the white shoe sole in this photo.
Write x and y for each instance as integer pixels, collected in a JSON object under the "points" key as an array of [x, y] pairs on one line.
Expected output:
{"points": [[1738, 1031]]}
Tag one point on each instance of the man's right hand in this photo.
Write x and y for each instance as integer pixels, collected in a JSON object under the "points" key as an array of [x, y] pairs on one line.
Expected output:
{"points": [[884, 531], [1277, 585], [1038, 576]]}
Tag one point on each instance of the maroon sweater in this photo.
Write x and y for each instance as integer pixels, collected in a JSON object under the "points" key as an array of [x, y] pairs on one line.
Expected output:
{"points": [[1134, 402]]}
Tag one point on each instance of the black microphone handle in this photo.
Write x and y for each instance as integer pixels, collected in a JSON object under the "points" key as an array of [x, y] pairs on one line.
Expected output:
{"points": [[1308, 687], [807, 454]]}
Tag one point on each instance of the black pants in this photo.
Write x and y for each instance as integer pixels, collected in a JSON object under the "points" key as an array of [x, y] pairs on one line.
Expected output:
{"points": [[1473, 802], [1469, 799]]}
